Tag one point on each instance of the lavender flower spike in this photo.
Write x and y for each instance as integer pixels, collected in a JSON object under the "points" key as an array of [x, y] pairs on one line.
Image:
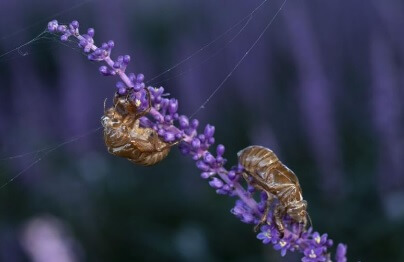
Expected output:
{"points": [[171, 127]]}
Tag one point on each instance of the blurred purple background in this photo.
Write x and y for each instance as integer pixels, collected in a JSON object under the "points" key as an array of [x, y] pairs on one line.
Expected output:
{"points": [[323, 89]]}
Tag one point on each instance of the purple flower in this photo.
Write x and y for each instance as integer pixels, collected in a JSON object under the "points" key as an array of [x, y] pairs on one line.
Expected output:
{"points": [[284, 244], [313, 254], [243, 212], [321, 241], [268, 234], [172, 127], [216, 183]]}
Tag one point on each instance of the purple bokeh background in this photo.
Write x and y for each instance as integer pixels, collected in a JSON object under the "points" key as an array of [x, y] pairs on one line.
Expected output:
{"points": [[323, 89]]}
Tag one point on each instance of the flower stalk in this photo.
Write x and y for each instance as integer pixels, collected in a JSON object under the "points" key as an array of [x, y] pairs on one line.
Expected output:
{"points": [[172, 127]]}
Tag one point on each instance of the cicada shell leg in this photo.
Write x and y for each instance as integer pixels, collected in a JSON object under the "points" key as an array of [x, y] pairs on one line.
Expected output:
{"points": [[268, 203], [279, 213]]}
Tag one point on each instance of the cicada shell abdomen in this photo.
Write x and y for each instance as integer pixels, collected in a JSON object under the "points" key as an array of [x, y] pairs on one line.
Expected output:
{"points": [[149, 158], [257, 159]]}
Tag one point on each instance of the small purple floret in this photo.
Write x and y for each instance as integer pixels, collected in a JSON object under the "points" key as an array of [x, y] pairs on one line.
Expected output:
{"points": [[216, 183], [340, 255], [284, 245], [52, 26], [313, 254], [74, 24]]}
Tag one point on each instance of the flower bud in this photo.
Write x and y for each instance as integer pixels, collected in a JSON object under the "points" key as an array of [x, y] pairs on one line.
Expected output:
{"points": [[216, 183], [220, 150], [209, 131]]}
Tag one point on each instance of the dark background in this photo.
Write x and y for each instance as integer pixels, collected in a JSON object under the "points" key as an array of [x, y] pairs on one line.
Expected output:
{"points": [[323, 89]]}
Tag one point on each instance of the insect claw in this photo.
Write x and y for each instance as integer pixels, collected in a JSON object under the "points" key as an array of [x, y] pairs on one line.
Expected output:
{"points": [[301, 233], [258, 226]]}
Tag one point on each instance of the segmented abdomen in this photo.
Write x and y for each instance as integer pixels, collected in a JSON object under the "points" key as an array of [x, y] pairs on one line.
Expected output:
{"points": [[119, 144], [257, 159], [148, 158]]}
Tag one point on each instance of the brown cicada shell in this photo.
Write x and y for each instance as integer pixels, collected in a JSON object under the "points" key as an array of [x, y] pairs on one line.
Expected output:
{"points": [[264, 171], [125, 138]]}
